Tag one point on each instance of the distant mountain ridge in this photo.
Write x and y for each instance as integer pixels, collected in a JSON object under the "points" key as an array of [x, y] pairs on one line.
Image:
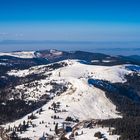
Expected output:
{"points": [[52, 55]]}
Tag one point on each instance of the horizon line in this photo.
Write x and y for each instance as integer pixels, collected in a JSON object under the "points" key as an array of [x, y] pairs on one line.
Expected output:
{"points": [[10, 41]]}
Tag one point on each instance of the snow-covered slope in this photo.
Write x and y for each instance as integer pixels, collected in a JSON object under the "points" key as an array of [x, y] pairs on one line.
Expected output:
{"points": [[80, 101], [22, 54], [89, 134], [65, 74], [78, 70], [109, 73]]}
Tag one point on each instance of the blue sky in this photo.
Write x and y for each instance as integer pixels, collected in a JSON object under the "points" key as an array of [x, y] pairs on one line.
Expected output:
{"points": [[70, 20]]}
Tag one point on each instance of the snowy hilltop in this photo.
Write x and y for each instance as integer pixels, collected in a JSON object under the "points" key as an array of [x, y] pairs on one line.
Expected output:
{"points": [[68, 99]]}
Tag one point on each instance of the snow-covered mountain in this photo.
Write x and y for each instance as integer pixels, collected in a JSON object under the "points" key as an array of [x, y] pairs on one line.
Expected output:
{"points": [[65, 99], [33, 54], [70, 74], [21, 54], [71, 99]]}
